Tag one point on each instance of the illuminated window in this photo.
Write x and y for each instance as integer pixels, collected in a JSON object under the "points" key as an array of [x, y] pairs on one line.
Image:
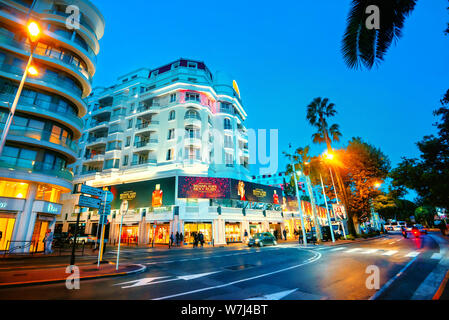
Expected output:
{"points": [[48, 193], [11, 189]]}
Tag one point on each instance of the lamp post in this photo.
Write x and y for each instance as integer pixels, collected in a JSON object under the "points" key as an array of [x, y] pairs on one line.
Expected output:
{"points": [[304, 236], [33, 35], [327, 210]]}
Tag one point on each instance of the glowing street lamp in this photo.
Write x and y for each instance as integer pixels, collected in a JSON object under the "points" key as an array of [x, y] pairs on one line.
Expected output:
{"points": [[34, 33]]}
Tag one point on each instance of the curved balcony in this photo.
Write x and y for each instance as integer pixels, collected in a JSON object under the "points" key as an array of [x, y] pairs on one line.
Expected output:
{"points": [[50, 84], [192, 141], [54, 57], [94, 158], [154, 108], [31, 166], [95, 141], [24, 134], [52, 111], [150, 144]]}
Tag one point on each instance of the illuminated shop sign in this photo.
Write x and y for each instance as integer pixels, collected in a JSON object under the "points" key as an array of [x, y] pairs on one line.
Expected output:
{"points": [[3, 204], [224, 188]]}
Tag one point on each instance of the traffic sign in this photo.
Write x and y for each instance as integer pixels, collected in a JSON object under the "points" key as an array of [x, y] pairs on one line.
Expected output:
{"points": [[88, 202], [82, 188], [109, 196]]}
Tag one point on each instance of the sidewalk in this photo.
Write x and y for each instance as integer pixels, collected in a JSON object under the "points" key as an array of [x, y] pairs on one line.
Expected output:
{"points": [[40, 276]]}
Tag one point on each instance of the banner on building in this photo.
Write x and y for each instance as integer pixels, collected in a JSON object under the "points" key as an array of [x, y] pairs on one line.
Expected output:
{"points": [[224, 188], [151, 194]]}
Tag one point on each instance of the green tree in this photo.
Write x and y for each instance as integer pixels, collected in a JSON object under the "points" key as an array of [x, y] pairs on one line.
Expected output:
{"points": [[361, 46], [429, 175], [425, 215]]}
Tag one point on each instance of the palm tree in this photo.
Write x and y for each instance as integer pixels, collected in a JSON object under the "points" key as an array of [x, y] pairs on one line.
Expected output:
{"points": [[369, 47], [318, 113]]}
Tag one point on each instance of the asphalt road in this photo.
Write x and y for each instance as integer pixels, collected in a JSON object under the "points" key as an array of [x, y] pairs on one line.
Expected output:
{"points": [[288, 271]]}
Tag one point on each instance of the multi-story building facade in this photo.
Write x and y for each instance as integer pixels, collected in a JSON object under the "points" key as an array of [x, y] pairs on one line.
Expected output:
{"points": [[175, 130], [41, 142]]}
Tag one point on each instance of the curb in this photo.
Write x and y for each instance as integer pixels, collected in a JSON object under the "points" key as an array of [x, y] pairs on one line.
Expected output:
{"points": [[442, 287], [44, 282]]}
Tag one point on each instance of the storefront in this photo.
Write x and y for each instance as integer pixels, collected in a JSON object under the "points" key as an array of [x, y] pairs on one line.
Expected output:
{"points": [[275, 229], [196, 227], [130, 234], [233, 232], [160, 232], [255, 227], [7, 222]]}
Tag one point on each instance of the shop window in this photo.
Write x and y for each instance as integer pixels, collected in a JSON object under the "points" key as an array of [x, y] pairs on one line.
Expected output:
{"points": [[190, 228], [6, 229], [48, 193], [11, 189]]}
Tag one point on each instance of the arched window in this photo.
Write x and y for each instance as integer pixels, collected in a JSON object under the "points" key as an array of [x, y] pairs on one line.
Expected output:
{"points": [[172, 115], [192, 114], [227, 124]]}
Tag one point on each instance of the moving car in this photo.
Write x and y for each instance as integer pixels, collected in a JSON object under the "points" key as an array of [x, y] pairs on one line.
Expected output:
{"points": [[262, 239], [421, 229]]}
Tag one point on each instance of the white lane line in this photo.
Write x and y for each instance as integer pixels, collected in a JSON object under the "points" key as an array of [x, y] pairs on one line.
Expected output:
{"points": [[274, 296], [353, 250], [436, 256], [338, 249], [412, 254], [390, 252], [308, 261], [370, 251], [378, 293], [392, 242]]}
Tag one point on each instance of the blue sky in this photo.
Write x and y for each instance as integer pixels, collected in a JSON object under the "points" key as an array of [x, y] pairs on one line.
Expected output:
{"points": [[285, 53]]}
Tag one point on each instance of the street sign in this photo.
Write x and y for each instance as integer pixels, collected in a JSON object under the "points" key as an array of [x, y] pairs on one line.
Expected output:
{"points": [[109, 196], [82, 188], [88, 202]]}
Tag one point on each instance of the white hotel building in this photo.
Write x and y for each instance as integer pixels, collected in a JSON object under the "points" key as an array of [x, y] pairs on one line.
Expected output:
{"points": [[178, 120]]}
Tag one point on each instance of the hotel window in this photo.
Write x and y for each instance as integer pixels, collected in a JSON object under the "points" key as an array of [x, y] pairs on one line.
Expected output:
{"points": [[171, 134], [112, 164], [227, 124], [229, 159], [192, 132], [125, 160], [192, 96], [192, 65], [131, 108], [192, 114], [134, 91], [228, 141], [11, 189], [172, 115], [170, 153], [130, 123], [173, 97], [128, 141], [192, 153], [192, 79]]}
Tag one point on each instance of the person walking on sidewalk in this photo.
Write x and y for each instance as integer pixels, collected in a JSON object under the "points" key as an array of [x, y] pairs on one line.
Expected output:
{"points": [[201, 239], [181, 238], [172, 239], [285, 234], [195, 240], [177, 238], [245, 236], [48, 241]]}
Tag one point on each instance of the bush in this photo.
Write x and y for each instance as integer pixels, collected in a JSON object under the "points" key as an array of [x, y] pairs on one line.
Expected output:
{"points": [[350, 237]]}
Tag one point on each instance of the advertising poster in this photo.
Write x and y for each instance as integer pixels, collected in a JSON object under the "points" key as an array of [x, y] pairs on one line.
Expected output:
{"points": [[339, 211], [254, 192], [203, 188], [158, 193]]}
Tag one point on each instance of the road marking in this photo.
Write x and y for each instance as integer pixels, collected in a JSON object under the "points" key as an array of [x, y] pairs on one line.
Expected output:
{"points": [[370, 251], [389, 253], [412, 254], [316, 257], [353, 250], [338, 249], [378, 293], [392, 242], [148, 281], [274, 296], [436, 256]]}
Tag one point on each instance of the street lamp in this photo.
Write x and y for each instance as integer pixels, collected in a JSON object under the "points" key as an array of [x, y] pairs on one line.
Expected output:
{"points": [[34, 33]]}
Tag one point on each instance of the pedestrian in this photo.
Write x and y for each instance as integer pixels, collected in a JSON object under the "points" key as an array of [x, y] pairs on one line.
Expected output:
{"points": [[48, 241], [245, 236], [285, 234], [195, 240], [276, 234], [201, 239], [177, 238], [172, 239], [181, 238]]}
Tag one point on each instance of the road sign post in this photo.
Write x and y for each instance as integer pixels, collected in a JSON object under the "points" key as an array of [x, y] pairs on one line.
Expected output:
{"points": [[123, 211], [105, 210]]}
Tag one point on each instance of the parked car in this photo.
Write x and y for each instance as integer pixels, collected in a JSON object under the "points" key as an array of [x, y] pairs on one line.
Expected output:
{"points": [[262, 239]]}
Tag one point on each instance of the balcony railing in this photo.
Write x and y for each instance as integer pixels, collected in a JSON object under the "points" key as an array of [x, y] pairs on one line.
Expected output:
{"points": [[32, 166], [95, 139], [145, 161], [145, 125], [38, 105], [41, 135], [146, 107], [144, 143]]}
